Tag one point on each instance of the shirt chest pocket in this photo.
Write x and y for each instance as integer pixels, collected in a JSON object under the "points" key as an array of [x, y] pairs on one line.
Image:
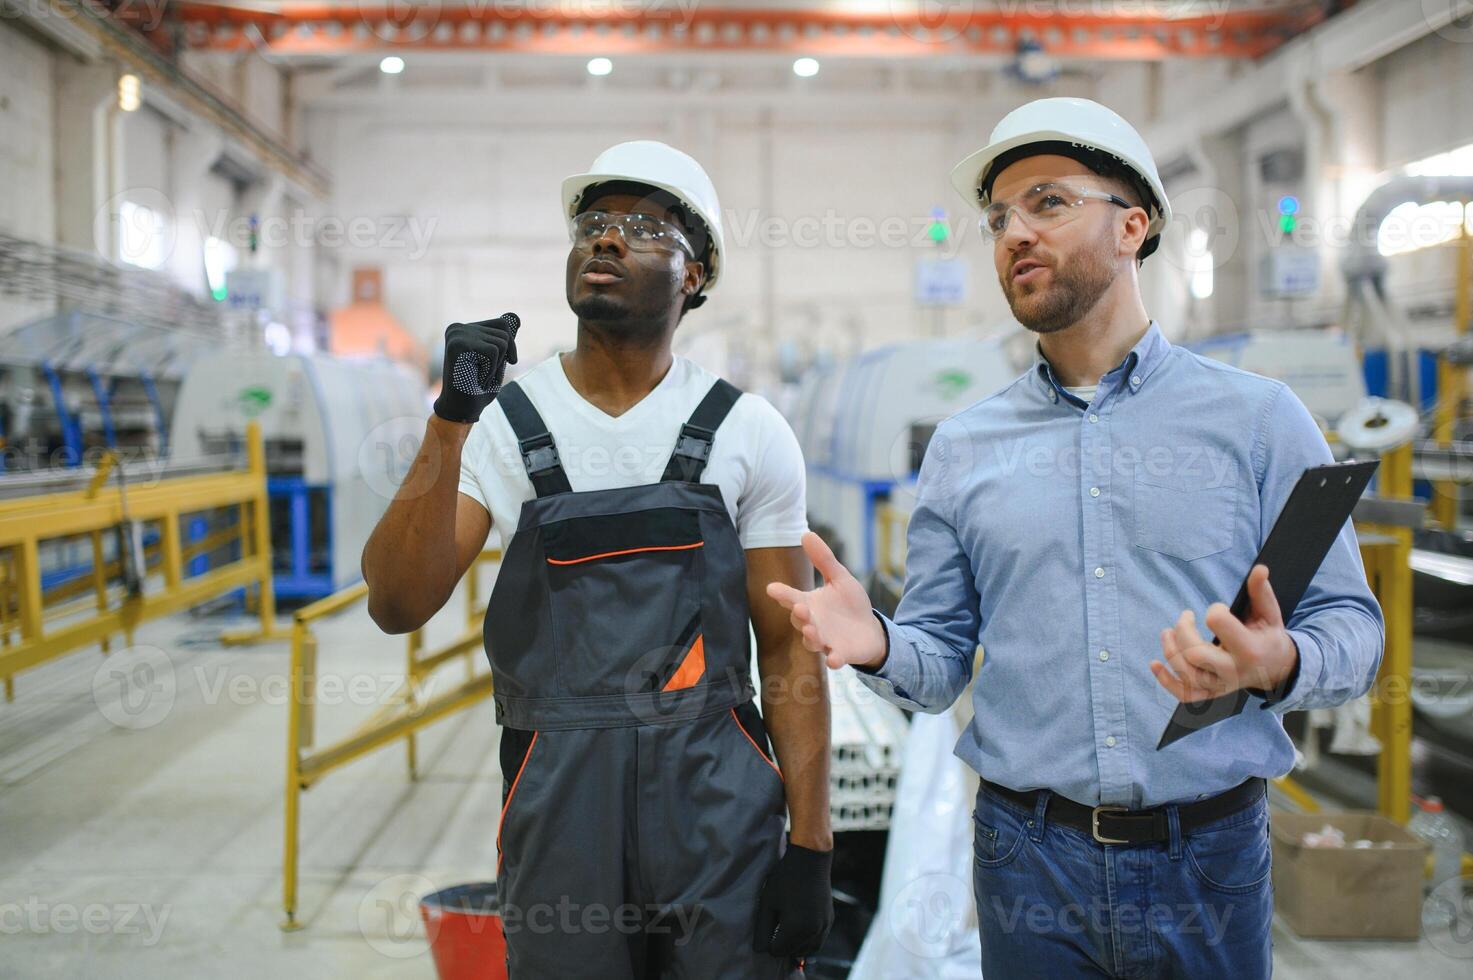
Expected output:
{"points": [[1187, 515]]}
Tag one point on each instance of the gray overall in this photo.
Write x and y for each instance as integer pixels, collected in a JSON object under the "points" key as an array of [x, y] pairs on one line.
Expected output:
{"points": [[641, 807]]}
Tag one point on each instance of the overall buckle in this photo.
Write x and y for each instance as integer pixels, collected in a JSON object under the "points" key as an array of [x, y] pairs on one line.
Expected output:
{"points": [[695, 442], [539, 454], [1094, 824]]}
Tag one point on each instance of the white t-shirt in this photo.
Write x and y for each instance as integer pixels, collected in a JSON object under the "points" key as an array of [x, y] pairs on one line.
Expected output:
{"points": [[1085, 393], [755, 457]]}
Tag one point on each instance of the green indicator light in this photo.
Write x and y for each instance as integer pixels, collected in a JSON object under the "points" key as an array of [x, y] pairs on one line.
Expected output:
{"points": [[1286, 223], [937, 232]]}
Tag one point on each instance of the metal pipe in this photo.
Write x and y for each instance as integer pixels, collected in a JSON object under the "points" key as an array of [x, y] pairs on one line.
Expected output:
{"points": [[1450, 462]]}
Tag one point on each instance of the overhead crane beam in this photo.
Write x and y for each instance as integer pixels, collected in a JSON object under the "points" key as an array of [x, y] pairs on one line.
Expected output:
{"points": [[614, 28]]}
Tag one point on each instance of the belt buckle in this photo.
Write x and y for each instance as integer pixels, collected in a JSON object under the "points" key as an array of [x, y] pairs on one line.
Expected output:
{"points": [[1094, 824]]}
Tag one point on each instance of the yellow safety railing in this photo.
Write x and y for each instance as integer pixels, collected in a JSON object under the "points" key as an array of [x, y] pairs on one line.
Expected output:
{"points": [[38, 625], [402, 715]]}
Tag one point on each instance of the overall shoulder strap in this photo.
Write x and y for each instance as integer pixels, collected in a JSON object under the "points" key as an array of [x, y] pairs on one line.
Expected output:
{"points": [[693, 447], [539, 452]]}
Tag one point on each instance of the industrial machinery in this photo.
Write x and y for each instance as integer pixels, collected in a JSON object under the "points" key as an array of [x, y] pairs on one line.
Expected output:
{"points": [[339, 436], [864, 426], [1322, 367], [100, 373], [76, 383]]}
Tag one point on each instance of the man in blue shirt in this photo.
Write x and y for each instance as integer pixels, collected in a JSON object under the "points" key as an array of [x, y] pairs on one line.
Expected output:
{"points": [[1070, 528]]}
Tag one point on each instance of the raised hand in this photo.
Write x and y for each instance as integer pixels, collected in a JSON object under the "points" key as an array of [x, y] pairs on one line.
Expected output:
{"points": [[835, 619], [476, 356]]}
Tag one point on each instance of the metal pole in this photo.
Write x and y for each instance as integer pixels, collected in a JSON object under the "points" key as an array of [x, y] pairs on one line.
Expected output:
{"points": [[256, 464], [293, 782], [1394, 769], [1452, 379]]}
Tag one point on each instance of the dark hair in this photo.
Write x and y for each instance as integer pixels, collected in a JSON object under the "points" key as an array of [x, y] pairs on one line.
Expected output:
{"points": [[1099, 162], [689, 222]]}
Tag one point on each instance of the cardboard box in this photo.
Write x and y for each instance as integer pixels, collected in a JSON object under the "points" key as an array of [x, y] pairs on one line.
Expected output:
{"points": [[1348, 893]]}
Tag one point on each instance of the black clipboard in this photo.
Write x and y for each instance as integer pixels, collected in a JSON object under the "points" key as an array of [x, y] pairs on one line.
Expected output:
{"points": [[1317, 508]]}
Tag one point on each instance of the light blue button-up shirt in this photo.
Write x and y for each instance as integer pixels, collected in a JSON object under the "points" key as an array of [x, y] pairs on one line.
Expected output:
{"points": [[1062, 537]]}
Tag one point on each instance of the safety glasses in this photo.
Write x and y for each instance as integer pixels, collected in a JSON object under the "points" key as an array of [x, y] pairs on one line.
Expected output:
{"points": [[1045, 205], [641, 232]]}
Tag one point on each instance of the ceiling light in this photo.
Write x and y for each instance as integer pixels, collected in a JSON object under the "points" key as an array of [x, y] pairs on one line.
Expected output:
{"points": [[392, 65], [600, 66], [805, 67], [130, 93]]}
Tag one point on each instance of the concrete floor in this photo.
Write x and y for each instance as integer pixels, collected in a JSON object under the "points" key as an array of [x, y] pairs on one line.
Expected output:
{"points": [[142, 821]]}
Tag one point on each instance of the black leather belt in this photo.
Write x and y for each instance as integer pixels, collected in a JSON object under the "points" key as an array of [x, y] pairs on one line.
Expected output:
{"points": [[1118, 825]]}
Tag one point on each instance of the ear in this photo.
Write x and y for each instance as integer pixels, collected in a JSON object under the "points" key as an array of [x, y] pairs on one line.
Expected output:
{"points": [[1133, 231], [695, 277]]}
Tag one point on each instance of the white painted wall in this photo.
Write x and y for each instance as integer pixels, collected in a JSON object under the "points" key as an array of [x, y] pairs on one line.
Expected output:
{"points": [[27, 115], [805, 256], [447, 176]]}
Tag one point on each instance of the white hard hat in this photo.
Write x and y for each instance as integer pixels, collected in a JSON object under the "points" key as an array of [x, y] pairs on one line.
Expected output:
{"points": [[658, 165], [1066, 120]]}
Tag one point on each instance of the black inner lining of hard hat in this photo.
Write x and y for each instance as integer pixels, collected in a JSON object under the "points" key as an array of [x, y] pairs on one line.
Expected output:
{"points": [[1098, 161]]}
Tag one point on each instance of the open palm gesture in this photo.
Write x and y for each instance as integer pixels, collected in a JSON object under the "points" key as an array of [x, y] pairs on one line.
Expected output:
{"points": [[835, 619]]}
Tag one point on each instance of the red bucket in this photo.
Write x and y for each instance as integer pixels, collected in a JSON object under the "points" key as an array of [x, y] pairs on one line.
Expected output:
{"points": [[464, 928]]}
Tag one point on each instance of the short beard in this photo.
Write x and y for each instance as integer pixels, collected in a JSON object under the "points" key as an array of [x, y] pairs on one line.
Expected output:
{"points": [[599, 308], [613, 320], [1074, 291]]}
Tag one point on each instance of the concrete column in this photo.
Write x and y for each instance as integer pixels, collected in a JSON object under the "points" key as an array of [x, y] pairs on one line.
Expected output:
{"points": [[1212, 198], [193, 153], [1349, 158], [86, 97]]}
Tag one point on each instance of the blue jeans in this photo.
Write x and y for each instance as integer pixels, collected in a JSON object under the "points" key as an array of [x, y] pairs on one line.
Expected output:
{"points": [[1053, 904]]}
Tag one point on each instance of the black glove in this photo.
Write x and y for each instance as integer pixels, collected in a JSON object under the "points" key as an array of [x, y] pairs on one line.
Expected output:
{"points": [[796, 908], [476, 356]]}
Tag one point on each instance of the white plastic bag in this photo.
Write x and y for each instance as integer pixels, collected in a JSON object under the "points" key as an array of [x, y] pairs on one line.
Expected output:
{"points": [[926, 928]]}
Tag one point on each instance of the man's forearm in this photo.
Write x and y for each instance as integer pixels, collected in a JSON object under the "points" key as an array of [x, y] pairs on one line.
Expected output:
{"points": [[919, 672], [795, 706], [1339, 653], [409, 561]]}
